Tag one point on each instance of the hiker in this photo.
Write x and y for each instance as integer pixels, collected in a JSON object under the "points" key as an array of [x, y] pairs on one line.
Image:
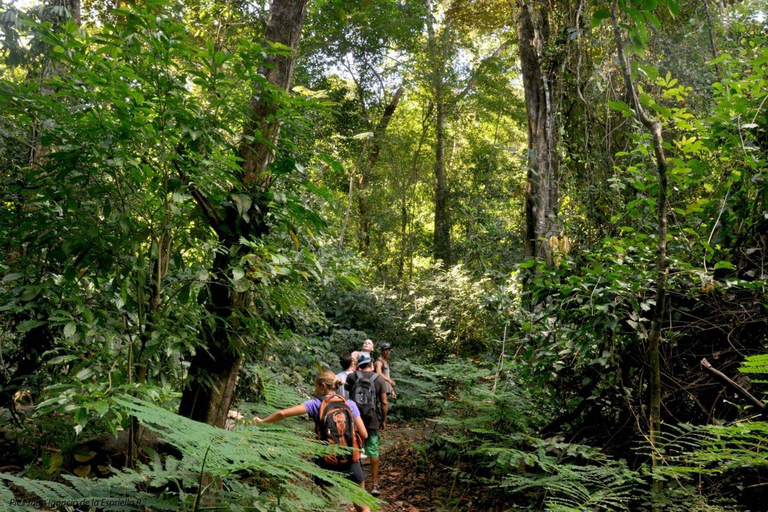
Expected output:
{"points": [[367, 348], [382, 368], [326, 385], [366, 389], [346, 361]]}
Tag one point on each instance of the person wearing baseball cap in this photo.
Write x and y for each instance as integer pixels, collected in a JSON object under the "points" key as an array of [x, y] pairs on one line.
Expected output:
{"points": [[366, 390]]}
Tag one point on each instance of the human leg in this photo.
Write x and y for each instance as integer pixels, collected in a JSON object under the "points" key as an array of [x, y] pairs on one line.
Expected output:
{"points": [[375, 471], [372, 449], [362, 508], [357, 475]]}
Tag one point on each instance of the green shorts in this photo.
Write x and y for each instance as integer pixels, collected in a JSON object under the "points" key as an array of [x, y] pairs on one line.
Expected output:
{"points": [[372, 445]]}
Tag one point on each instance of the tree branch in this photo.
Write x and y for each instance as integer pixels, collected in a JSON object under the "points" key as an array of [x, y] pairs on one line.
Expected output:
{"points": [[738, 388]]}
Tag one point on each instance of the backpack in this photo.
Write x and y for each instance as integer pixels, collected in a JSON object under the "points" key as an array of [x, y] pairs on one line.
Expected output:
{"points": [[363, 393], [336, 426]]}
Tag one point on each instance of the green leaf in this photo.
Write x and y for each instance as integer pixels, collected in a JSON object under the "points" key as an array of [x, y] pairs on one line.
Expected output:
{"points": [[55, 461], [30, 293], [12, 277], [28, 325], [84, 373], [243, 202], [622, 107], [101, 408], [674, 7], [62, 359], [724, 264], [599, 16], [70, 329]]}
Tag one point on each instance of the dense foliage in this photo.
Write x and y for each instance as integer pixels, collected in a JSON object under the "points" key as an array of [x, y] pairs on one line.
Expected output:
{"points": [[397, 205]]}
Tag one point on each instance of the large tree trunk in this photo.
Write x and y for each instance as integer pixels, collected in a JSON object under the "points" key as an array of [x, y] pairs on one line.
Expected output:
{"points": [[286, 18], [214, 369], [539, 81]]}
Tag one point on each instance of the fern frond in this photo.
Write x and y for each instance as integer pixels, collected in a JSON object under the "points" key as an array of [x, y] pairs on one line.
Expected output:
{"points": [[273, 451], [755, 364], [581, 488], [254, 468]]}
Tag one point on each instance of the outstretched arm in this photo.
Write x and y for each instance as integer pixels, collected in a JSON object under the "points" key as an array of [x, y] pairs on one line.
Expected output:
{"points": [[296, 410]]}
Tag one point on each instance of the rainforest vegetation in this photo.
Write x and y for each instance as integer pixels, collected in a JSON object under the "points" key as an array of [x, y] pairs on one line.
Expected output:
{"points": [[555, 211]]}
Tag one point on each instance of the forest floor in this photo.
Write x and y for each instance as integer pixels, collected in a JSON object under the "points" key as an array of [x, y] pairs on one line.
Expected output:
{"points": [[403, 484]]}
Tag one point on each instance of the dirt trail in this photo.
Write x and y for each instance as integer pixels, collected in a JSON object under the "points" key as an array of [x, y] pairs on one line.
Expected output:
{"points": [[403, 488]]}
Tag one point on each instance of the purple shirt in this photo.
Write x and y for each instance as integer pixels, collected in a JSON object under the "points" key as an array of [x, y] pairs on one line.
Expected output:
{"points": [[313, 407]]}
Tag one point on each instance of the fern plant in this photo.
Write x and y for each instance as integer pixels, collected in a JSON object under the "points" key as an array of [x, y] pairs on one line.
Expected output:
{"points": [[252, 468], [574, 488]]}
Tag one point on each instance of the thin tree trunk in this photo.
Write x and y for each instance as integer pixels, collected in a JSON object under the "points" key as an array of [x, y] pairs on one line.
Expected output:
{"points": [[710, 26], [214, 368], [371, 153], [441, 249], [442, 235], [654, 337]]}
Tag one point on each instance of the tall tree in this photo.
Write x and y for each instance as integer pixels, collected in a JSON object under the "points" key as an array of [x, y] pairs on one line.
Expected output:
{"points": [[540, 69], [214, 368], [436, 45]]}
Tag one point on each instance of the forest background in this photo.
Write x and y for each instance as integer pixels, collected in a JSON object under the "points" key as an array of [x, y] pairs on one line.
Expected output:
{"points": [[555, 211]]}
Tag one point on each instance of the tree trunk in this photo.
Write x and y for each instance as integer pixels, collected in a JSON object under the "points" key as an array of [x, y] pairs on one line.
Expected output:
{"points": [[286, 18], [442, 236], [539, 82], [214, 368], [370, 157], [654, 337], [441, 248]]}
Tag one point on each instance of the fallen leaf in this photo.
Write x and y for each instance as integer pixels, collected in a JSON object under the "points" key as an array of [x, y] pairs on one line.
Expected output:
{"points": [[56, 460], [84, 457], [82, 471]]}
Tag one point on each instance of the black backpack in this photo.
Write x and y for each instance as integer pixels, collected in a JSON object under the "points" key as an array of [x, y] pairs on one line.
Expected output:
{"points": [[336, 426], [364, 395]]}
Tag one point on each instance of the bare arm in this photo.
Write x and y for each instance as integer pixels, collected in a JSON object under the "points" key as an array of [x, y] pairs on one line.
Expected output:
{"points": [[296, 410], [360, 426], [384, 409], [380, 371]]}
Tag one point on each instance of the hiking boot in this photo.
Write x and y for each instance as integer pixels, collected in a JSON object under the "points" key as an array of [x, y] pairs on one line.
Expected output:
{"points": [[375, 491]]}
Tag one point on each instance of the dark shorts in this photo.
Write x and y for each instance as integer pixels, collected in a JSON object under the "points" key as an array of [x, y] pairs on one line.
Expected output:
{"points": [[354, 473]]}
